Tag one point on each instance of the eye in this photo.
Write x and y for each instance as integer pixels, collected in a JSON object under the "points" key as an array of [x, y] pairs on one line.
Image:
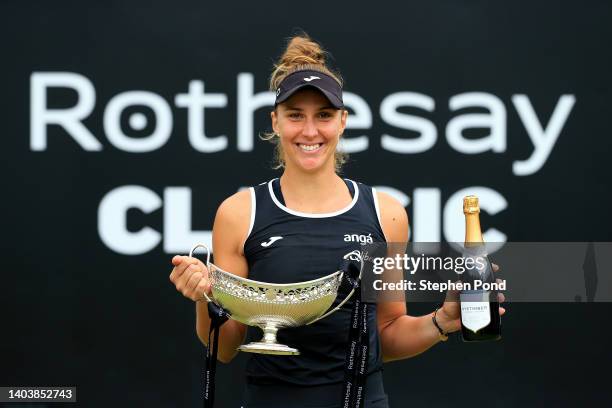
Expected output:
{"points": [[295, 115], [325, 115]]}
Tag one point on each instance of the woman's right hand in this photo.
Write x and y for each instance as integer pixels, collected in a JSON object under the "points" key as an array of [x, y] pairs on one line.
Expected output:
{"points": [[190, 276]]}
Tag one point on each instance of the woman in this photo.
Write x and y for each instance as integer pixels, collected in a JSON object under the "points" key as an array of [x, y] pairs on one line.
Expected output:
{"points": [[293, 229]]}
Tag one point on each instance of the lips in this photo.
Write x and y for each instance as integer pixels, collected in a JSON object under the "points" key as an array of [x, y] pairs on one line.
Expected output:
{"points": [[309, 147]]}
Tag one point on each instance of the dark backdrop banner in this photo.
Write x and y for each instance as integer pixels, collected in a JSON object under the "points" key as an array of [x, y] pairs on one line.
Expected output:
{"points": [[125, 124]]}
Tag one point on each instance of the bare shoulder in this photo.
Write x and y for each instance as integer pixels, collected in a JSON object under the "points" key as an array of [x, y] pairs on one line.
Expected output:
{"points": [[232, 221], [393, 217], [235, 206]]}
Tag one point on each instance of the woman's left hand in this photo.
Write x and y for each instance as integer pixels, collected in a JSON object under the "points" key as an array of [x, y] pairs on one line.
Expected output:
{"points": [[449, 315]]}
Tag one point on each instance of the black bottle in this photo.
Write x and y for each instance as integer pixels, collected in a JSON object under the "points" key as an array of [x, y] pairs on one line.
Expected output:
{"points": [[480, 320]]}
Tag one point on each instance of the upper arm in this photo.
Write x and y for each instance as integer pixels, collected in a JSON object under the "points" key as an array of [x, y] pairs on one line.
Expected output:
{"points": [[393, 218], [230, 229], [394, 222]]}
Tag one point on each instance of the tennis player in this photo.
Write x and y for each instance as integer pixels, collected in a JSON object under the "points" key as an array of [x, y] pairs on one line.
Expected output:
{"points": [[298, 227]]}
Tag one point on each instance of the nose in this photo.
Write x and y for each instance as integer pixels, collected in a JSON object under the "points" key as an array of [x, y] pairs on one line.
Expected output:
{"points": [[310, 128]]}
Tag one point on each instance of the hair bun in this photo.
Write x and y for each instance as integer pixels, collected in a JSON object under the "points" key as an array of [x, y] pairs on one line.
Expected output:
{"points": [[301, 50]]}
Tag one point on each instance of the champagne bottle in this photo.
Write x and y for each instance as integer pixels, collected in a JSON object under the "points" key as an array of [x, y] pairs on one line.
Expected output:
{"points": [[480, 320]]}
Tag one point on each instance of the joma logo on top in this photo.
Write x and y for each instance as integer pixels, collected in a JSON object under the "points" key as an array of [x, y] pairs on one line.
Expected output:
{"points": [[414, 134]]}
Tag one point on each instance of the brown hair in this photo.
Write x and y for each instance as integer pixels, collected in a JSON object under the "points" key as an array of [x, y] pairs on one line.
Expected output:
{"points": [[301, 53]]}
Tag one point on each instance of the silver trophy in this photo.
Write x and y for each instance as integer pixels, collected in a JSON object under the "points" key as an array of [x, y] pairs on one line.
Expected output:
{"points": [[273, 306]]}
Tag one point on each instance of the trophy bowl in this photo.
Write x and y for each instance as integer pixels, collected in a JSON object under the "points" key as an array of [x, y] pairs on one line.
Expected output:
{"points": [[272, 306]]}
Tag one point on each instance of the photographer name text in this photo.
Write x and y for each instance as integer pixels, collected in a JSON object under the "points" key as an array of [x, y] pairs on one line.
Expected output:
{"points": [[427, 285]]}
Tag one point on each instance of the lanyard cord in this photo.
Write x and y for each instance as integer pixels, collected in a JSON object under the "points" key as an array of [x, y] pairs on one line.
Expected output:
{"points": [[356, 362], [218, 316]]}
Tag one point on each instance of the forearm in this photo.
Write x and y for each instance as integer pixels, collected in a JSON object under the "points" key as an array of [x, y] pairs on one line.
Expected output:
{"points": [[407, 336], [230, 337]]}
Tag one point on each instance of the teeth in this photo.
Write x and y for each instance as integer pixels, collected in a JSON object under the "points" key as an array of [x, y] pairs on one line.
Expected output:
{"points": [[310, 147]]}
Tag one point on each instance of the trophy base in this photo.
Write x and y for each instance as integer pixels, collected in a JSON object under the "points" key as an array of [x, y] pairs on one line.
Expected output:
{"points": [[269, 348]]}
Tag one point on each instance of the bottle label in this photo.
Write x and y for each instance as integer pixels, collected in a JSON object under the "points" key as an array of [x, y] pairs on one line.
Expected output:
{"points": [[475, 310]]}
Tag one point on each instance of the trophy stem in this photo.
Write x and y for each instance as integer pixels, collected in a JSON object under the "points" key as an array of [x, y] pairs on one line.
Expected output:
{"points": [[268, 343], [269, 333]]}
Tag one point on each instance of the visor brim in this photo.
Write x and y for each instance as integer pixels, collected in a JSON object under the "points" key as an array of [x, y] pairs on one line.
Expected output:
{"points": [[333, 99]]}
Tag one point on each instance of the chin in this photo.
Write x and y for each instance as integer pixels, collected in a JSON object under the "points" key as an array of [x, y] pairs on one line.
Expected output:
{"points": [[311, 166]]}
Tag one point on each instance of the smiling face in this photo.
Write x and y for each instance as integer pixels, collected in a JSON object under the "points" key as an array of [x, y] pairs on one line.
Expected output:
{"points": [[309, 128]]}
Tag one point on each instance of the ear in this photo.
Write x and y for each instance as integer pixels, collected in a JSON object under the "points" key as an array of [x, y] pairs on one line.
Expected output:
{"points": [[274, 119], [343, 118]]}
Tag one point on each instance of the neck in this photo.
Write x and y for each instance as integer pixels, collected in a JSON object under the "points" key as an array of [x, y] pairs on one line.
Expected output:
{"points": [[313, 192]]}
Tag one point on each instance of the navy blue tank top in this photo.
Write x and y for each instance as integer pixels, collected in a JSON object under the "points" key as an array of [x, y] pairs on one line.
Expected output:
{"points": [[286, 246]]}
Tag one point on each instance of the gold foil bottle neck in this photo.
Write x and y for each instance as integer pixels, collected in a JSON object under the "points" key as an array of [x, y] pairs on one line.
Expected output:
{"points": [[473, 233], [470, 205]]}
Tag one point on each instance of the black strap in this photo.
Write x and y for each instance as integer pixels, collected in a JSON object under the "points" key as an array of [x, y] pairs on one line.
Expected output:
{"points": [[218, 316], [356, 362]]}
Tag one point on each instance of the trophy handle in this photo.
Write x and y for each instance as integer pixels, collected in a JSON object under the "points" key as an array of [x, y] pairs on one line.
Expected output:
{"points": [[196, 246], [355, 256], [335, 308]]}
